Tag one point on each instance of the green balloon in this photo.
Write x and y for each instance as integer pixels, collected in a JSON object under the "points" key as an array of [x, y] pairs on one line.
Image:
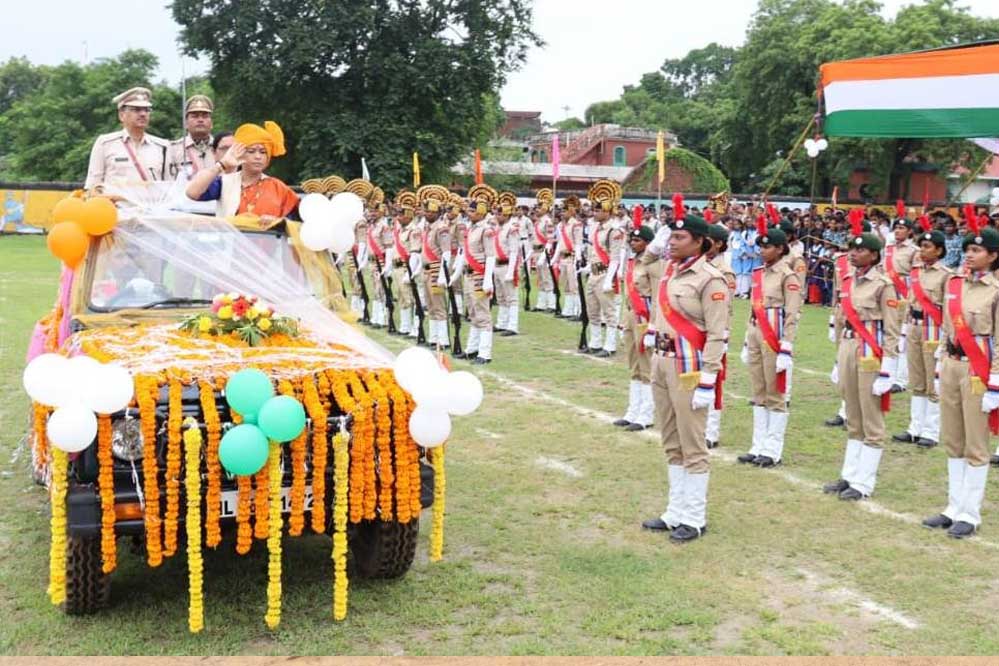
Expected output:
{"points": [[248, 390], [282, 418], [243, 450]]}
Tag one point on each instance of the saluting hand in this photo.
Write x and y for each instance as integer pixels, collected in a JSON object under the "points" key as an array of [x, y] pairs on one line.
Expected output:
{"points": [[233, 157]]}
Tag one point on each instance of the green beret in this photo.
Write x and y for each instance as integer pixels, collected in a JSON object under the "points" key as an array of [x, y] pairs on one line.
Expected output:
{"points": [[987, 238], [644, 233], [774, 236], [718, 232], [935, 237], [901, 222], [870, 241], [788, 228], [695, 224]]}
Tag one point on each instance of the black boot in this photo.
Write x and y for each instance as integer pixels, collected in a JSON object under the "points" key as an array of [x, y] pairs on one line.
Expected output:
{"points": [[747, 458], [851, 495], [620, 423], [835, 421], [478, 360], [765, 461], [710, 444], [602, 353], [655, 524], [961, 530], [635, 427], [939, 520], [836, 487], [925, 443], [904, 437], [994, 460], [685, 533]]}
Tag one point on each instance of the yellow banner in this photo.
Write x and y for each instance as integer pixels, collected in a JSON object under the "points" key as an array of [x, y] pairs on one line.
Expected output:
{"points": [[661, 156], [416, 169]]}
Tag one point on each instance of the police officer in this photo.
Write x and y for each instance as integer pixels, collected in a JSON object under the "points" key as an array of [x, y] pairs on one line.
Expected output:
{"points": [[130, 155], [193, 152], [507, 251], [569, 238], [716, 255], [399, 258], [436, 244], [866, 363], [924, 323], [969, 381], [898, 264], [542, 246], [603, 301], [480, 261], [689, 340]]}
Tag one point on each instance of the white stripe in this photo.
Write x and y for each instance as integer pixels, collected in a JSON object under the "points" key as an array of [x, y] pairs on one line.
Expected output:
{"points": [[975, 91], [558, 466], [823, 587]]}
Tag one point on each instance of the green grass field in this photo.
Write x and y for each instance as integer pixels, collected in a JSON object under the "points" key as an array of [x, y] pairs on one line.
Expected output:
{"points": [[543, 550]]}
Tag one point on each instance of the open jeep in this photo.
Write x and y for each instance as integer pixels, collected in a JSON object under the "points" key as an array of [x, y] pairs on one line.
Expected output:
{"points": [[125, 305]]}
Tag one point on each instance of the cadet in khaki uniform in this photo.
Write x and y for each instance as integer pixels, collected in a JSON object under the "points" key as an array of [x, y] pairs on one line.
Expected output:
{"points": [[866, 362], [898, 264], [436, 249], [969, 381], [542, 246], [567, 232], [689, 339], [414, 245], [457, 228], [925, 322], [603, 301], [716, 255], [401, 285], [480, 261], [130, 155], [775, 299], [641, 277], [378, 240], [507, 251], [193, 152]]}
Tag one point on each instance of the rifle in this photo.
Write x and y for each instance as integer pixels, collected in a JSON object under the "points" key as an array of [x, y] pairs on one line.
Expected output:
{"points": [[421, 337], [359, 276], [551, 269], [387, 288], [455, 315], [527, 278], [584, 317]]}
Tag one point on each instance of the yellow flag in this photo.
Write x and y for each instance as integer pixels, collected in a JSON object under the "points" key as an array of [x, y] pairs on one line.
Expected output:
{"points": [[661, 156], [416, 169]]}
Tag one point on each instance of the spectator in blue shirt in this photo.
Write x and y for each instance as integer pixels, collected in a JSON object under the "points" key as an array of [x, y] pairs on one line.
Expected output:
{"points": [[952, 241]]}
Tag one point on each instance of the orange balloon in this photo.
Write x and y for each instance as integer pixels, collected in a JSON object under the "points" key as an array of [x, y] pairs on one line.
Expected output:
{"points": [[67, 241], [99, 216], [67, 210]]}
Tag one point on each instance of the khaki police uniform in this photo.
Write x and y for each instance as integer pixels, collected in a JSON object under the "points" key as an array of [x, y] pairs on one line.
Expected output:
{"points": [[712, 429], [603, 302], [508, 235], [414, 243], [569, 233], [481, 244], [402, 292], [646, 271], [541, 242], [904, 256], [437, 242], [188, 156], [117, 159]]}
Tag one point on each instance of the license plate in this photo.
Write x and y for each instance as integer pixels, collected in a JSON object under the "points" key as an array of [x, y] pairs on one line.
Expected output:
{"points": [[230, 501]]}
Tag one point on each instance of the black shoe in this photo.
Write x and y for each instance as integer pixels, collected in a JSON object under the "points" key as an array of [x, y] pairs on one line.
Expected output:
{"points": [[939, 520], [710, 444], [481, 361], [904, 437], [851, 495], [835, 421], [655, 524], [961, 530], [574, 318], [635, 427], [603, 353], [620, 423], [925, 443], [559, 315], [507, 334], [465, 356], [747, 458], [896, 388], [765, 461], [684, 533], [592, 351], [836, 487], [497, 329], [994, 460]]}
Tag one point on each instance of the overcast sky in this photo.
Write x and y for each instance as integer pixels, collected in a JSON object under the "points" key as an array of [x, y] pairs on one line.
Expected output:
{"points": [[593, 47]]}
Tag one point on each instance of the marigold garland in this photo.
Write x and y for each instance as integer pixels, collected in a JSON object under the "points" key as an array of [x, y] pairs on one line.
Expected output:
{"points": [[261, 501], [296, 518], [383, 441], [40, 441], [105, 484], [440, 486], [415, 481], [341, 463], [273, 616], [213, 468], [147, 392], [52, 334], [173, 458], [57, 526], [400, 438], [192, 486], [347, 405], [244, 532], [323, 386], [320, 445], [364, 435]]}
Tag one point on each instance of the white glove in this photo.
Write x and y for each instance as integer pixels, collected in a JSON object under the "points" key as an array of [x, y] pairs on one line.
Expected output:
{"points": [[990, 401], [704, 394], [415, 264], [649, 339], [883, 383], [362, 257], [936, 378], [903, 338], [487, 279], [441, 277], [585, 270], [744, 354], [832, 329], [784, 361], [608, 284], [458, 268], [511, 271], [834, 375], [389, 260]]}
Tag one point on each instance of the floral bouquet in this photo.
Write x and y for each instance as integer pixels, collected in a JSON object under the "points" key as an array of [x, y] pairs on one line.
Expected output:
{"points": [[243, 316]]}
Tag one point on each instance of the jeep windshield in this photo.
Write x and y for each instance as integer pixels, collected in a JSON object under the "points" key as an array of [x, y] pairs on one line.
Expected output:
{"points": [[127, 276]]}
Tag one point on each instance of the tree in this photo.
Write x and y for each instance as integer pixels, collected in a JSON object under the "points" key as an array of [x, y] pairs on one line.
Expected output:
{"points": [[50, 130], [352, 79], [569, 124]]}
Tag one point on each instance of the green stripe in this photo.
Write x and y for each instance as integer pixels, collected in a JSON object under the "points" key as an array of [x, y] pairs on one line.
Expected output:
{"points": [[914, 123]]}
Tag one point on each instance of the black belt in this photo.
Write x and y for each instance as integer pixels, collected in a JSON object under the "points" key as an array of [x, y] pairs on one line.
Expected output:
{"points": [[598, 268], [502, 262], [955, 351], [398, 264], [664, 343], [917, 315]]}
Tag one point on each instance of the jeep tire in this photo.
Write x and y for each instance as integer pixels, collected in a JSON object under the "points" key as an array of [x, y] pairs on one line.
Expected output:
{"points": [[383, 549], [88, 588]]}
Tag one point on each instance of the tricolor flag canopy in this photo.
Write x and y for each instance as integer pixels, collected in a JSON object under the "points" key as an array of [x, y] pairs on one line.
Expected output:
{"points": [[949, 92]]}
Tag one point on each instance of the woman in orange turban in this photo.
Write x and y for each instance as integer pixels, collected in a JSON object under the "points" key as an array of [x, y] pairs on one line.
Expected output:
{"points": [[238, 183]]}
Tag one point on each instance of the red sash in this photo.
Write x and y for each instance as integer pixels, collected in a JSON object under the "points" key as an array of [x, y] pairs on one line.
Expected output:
{"points": [[541, 238], [841, 266], [500, 254], [428, 252], [135, 160], [470, 259], [976, 357], [929, 308], [762, 323], [637, 302], [850, 312], [602, 253], [897, 279], [400, 249], [374, 247], [566, 239], [195, 166]]}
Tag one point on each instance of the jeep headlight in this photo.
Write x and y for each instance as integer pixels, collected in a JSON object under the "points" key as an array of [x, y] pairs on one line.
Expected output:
{"points": [[126, 439]]}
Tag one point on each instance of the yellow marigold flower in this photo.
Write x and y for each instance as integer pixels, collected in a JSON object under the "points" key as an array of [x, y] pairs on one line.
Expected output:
{"points": [[204, 324], [264, 324], [225, 312], [252, 313]]}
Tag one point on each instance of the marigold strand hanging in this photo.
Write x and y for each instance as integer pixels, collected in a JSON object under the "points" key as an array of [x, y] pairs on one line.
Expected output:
{"points": [[296, 518], [105, 483], [319, 453], [192, 487], [57, 525], [273, 616], [173, 458], [40, 441], [383, 439], [261, 500], [364, 437], [440, 486], [147, 392], [341, 463], [213, 468], [244, 532]]}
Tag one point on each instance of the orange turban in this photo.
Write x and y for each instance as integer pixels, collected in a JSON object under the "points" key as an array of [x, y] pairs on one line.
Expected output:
{"points": [[270, 135]]}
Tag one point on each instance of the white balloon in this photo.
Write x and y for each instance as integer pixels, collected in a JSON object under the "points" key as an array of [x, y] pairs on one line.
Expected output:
{"points": [[412, 365], [347, 207], [314, 207], [112, 391], [316, 235], [431, 390], [72, 428], [46, 380], [995, 191], [341, 237], [464, 393], [83, 374], [822, 144], [809, 144], [814, 152], [429, 427]]}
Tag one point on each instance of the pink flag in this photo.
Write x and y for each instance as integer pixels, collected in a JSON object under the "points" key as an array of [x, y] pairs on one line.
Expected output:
{"points": [[555, 157]]}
